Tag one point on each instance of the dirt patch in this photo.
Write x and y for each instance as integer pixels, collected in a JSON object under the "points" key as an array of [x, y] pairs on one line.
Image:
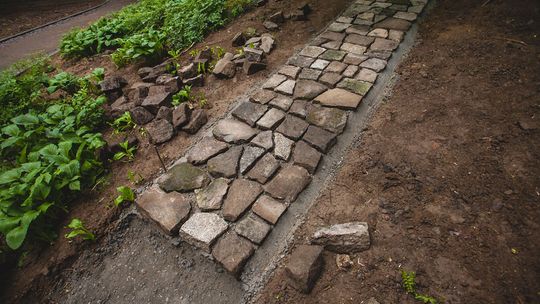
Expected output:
{"points": [[47, 266], [447, 173]]}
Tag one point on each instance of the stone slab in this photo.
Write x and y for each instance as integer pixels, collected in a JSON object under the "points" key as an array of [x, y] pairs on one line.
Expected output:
{"points": [[269, 209], [233, 131], [202, 229], [211, 197], [253, 228], [242, 193], [183, 177], [207, 148], [225, 164], [339, 98], [288, 183]]}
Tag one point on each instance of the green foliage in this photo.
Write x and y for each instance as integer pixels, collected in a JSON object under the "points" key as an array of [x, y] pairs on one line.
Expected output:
{"points": [[134, 178], [182, 96], [127, 152], [65, 81], [409, 284], [78, 229], [123, 123], [148, 45], [126, 195]]}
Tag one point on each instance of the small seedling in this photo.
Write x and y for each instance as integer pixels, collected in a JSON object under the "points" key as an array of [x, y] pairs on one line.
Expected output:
{"points": [[409, 284], [182, 96], [127, 152], [123, 123], [78, 229], [135, 178], [126, 195]]}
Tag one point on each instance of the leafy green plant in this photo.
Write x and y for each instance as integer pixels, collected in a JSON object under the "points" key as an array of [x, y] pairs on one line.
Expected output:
{"points": [[182, 96], [65, 81], [408, 281], [78, 229], [123, 123], [127, 152], [148, 45], [134, 178], [126, 195]]}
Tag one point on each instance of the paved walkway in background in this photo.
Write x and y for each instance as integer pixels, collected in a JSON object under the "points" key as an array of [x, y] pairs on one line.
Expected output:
{"points": [[47, 39]]}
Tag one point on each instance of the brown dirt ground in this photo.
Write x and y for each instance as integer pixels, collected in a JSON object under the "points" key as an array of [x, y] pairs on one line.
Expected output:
{"points": [[446, 175], [95, 207], [18, 16]]}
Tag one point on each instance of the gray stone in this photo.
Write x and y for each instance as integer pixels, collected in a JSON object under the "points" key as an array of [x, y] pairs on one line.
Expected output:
{"points": [[180, 116], [336, 67], [233, 131], [232, 252], [211, 197], [168, 210], [253, 40], [155, 101], [331, 119], [271, 119], [374, 64], [394, 24], [271, 26], [343, 238], [281, 101], [188, 71], [333, 55], [169, 81], [207, 148], [249, 112], [405, 16], [140, 115], [355, 86], [121, 105], [264, 140], [164, 113], [320, 64], [263, 96], [367, 16], [198, 119], [225, 164], [183, 177], [353, 48], [242, 193], [304, 267], [252, 67], [267, 43], [350, 71], [333, 45], [344, 19], [333, 36], [309, 74], [306, 156], [339, 98], [249, 157], [282, 146], [252, 54], [299, 108], [288, 183], [395, 35], [277, 17], [381, 44], [359, 39], [319, 138], [269, 209], [274, 81], [292, 127], [358, 29], [159, 131], [308, 89], [238, 40], [289, 70], [330, 79], [202, 229], [253, 228], [112, 83], [312, 51], [300, 61], [264, 169], [379, 32], [354, 59], [224, 68], [287, 87], [367, 75], [338, 27]]}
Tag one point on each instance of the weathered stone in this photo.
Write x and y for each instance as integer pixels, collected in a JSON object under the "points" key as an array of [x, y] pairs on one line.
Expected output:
{"points": [[233, 131], [225, 164], [336, 67], [164, 113], [158, 89], [138, 92], [269, 208], [312, 51], [309, 74], [159, 131], [359, 39], [197, 81], [288, 183], [121, 105], [367, 75], [333, 36], [183, 177], [344, 19], [187, 71], [300, 61], [224, 68], [238, 40], [211, 197], [112, 83], [207, 148], [356, 86], [271, 119], [353, 48], [155, 101], [367, 16], [249, 157], [405, 16], [333, 45], [282, 146], [180, 116], [330, 79], [252, 67], [304, 267], [252, 54], [416, 8], [297, 15], [263, 96], [140, 115], [394, 24], [350, 71], [274, 81], [242, 193], [264, 169], [281, 101], [169, 81], [168, 210], [144, 71], [318, 41], [202, 229], [343, 238], [338, 27], [331, 119], [253, 41], [395, 35], [277, 17], [379, 32], [287, 87], [308, 89], [358, 29], [306, 156], [253, 228], [289, 70], [264, 140], [374, 64], [271, 26], [320, 64], [333, 55], [249, 112], [354, 59], [381, 44], [292, 127], [198, 119], [319, 138], [232, 252], [298, 108], [339, 98]]}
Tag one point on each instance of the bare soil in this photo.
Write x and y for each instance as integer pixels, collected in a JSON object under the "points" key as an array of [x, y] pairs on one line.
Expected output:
{"points": [[447, 174]]}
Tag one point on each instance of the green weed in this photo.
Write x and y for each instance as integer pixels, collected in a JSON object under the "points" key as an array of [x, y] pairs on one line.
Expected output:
{"points": [[78, 229], [123, 123], [126, 195], [127, 152], [409, 284]]}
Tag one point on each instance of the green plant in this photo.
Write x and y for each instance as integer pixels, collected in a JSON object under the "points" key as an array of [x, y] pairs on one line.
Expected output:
{"points": [[65, 81], [134, 178], [78, 229], [202, 100], [408, 281], [127, 152], [148, 45], [182, 96], [126, 195], [123, 123]]}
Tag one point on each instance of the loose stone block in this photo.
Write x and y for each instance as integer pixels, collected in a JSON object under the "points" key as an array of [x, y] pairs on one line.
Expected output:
{"points": [[155, 101], [405, 16], [289, 70], [140, 115], [336, 67], [274, 81], [225, 164], [308, 89], [379, 32], [339, 98], [394, 24], [180, 116], [271, 119], [306, 156], [330, 79], [165, 113], [367, 75], [168, 210], [320, 64], [233, 131], [333, 45], [281, 101], [288, 183], [319, 138], [356, 86], [359, 39], [249, 112], [198, 119], [304, 267], [211, 197], [202, 229], [312, 51], [242, 193], [252, 54], [253, 228], [353, 48], [264, 169], [292, 127], [381, 44], [159, 131], [354, 59], [333, 55], [287, 87], [262, 96], [298, 108], [269, 209], [282, 146], [350, 71], [343, 238], [338, 27], [374, 64], [183, 177], [249, 157], [232, 252], [301, 61], [331, 119], [310, 74], [333, 36], [264, 140], [208, 147]]}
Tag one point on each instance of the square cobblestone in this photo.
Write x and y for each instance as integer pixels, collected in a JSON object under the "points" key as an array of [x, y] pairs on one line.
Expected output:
{"points": [[367, 75], [262, 96], [232, 252], [319, 138], [320, 64], [271, 119], [264, 168], [242, 193], [310, 74], [336, 67], [333, 55], [249, 112], [289, 70], [269, 209], [253, 228], [288, 183], [292, 127], [330, 79], [282, 102], [202, 229], [306, 156], [312, 51]]}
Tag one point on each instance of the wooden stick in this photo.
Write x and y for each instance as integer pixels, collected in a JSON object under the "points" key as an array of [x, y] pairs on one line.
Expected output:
{"points": [[160, 160]]}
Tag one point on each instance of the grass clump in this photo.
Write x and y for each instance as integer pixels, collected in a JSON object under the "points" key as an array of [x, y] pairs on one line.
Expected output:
{"points": [[408, 281]]}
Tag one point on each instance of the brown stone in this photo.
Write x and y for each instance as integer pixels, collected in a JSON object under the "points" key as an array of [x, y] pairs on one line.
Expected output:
{"points": [[306, 156], [208, 147], [262, 96], [232, 252], [339, 98], [288, 183], [159, 131], [180, 116], [320, 138], [292, 127], [249, 112], [394, 24], [198, 119], [225, 164], [242, 193], [264, 168], [269, 208], [331, 119], [253, 228], [304, 267], [308, 89]]}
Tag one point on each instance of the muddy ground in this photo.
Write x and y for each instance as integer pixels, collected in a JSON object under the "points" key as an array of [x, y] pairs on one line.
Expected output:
{"points": [[448, 172]]}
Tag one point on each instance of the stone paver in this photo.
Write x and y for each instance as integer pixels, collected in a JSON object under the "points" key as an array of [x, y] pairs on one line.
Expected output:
{"points": [[225, 164], [308, 89], [232, 252], [319, 138], [263, 96], [274, 81], [233, 131], [289, 70], [367, 75], [287, 87], [271, 119], [331, 119], [288, 183], [343, 238], [282, 146], [306, 156], [208, 147], [249, 157], [292, 127], [269, 209], [264, 168], [249, 112], [282, 102], [253, 228], [264, 140], [211, 197], [183, 177], [355, 86], [202, 229], [339, 98], [242, 193]]}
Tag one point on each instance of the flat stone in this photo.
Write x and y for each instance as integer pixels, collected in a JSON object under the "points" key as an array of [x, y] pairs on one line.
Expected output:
{"points": [[249, 157], [308, 89], [395, 35], [333, 36], [232, 252], [153, 102], [367, 75], [306, 156], [344, 19], [292, 127], [394, 24], [374, 64], [264, 140], [417, 9], [343, 238], [262, 96], [183, 177], [312, 51], [233, 131], [249, 112], [289, 70], [330, 79], [356, 86], [384, 55], [197, 121], [367, 16], [350, 71], [338, 27], [264, 168], [180, 116], [310, 74], [168, 210], [379, 32], [339, 98], [140, 115], [287, 87], [271, 119], [252, 67], [299, 108], [304, 267], [253, 228], [353, 48], [331, 119], [382, 44], [333, 45], [333, 55], [354, 59], [242, 193], [405, 16], [202, 229], [281, 101], [211, 197], [336, 67], [159, 131], [320, 64], [274, 81], [253, 54], [269, 209], [300, 61], [271, 26], [288, 183], [317, 41], [282, 146], [358, 29], [359, 39], [225, 164], [207, 148], [319, 138]]}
